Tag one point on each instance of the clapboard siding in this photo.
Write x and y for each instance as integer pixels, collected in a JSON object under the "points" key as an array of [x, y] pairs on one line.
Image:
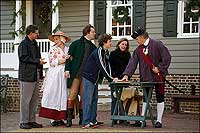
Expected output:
{"points": [[154, 14], [73, 28], [183, 59], [73, 16], [154, 25], [185, 65], [184, 51], [192, 46], [7, 9], [155, 19], [183, 71], [74, 13], [75, 19], [5, 17]]}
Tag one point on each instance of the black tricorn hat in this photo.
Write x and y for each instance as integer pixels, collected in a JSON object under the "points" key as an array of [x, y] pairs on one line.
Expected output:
{"points": [[138, 32]]}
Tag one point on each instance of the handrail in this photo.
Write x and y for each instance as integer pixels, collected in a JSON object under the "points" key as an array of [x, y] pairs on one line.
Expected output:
{"points": [[7, 46]]}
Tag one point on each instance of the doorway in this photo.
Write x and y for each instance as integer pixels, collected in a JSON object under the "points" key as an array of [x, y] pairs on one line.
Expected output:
{"points": [[42, 17]]}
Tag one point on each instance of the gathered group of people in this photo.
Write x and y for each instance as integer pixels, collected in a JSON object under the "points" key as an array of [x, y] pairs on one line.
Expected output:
{"points": [[70, 85]]}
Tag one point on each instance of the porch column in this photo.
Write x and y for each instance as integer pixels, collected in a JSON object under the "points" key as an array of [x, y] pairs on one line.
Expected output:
{"points": [[18, 39], [55, 15], [91, 18], [18, 23], [29, 12]]}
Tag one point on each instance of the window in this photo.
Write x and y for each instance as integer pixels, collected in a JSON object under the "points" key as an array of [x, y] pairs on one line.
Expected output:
{"points": [[119, 29], [187, 26]]}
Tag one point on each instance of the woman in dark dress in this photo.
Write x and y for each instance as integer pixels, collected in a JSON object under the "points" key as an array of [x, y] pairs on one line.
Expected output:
{"points": [[118, 61]]}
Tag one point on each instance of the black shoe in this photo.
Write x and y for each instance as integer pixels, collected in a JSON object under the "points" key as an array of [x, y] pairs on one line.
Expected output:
{"points": [[54, 123], [69, 123], [35, 125], [80, 122], [122, 121], [98, 123], [139, 124], [114, 122], [60, 123], [25, 126], [158, 125]]}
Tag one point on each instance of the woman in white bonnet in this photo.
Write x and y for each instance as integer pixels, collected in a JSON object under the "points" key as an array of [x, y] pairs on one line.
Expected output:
{"points": [[54, 99]]}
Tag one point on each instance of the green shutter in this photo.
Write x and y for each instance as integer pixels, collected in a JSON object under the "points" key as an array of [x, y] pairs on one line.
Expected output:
{"points": [[139, 14], [100, 16], [170, 18]]}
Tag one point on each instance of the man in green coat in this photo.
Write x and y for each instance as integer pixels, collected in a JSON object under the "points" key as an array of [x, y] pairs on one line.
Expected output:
{"points": [[79, 50]]}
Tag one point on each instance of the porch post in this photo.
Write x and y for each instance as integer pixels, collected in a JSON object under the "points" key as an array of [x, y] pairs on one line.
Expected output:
{"points": [[29, 12], [18, 23], [91, 18], [18, 39], [55, 15]]}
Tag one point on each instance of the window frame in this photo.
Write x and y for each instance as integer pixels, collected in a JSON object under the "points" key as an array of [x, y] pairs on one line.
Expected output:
{"points": [[180, 22], [109, 21]]}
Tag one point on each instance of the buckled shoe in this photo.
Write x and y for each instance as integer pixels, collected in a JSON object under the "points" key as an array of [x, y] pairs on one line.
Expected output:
{"points": [[35, 125], [25, 126], [158, 125]]}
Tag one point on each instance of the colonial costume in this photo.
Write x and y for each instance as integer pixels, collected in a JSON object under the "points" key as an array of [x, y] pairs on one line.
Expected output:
{"points": [[79, 50], [150, 55], [54, 99]]}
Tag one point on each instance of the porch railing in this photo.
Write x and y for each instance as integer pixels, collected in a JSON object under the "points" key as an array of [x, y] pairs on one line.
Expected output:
{"points": [[7, 46], [44, 45]]}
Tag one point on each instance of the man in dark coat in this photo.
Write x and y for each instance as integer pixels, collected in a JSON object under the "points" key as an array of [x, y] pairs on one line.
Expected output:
{"points": [[30, 71], [154, 59], [79, 51]]}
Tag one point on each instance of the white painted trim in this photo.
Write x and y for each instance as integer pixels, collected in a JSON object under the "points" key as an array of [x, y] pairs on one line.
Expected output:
{"points": [[18, 22], [55, 16], [108, 16], [180, 21], [29, 12], [109, 21], [91, 17]]}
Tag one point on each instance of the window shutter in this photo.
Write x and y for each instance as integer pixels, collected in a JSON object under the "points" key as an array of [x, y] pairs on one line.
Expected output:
{"points": [[139, 14], [170, 18], [100, 16]]}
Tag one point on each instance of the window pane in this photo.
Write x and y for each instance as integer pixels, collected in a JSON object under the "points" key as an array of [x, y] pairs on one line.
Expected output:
{"points": [[128, 21], [114, 23], [121, 23], [121, 28], [114, 2], [121, 31], [128, 30], [113, 9], [195, 28], [196, 7], [128, 1], [129, 10], [114, 31], [195, 17], [121, 2], [186, 28], [186, 18]]}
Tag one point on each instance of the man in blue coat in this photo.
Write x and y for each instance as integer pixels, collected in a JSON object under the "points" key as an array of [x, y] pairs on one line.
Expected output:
{"points": [[79, 50]]}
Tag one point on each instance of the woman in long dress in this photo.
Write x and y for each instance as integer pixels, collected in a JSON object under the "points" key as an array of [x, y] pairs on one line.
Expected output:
{"points": [[54, 99]]}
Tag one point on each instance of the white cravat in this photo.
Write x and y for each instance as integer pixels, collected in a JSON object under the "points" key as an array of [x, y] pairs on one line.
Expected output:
{"points": [[145, 50]]}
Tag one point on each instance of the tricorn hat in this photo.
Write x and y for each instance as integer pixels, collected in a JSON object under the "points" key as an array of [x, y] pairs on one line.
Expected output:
{"points": [[138, 32], [59, 33]]}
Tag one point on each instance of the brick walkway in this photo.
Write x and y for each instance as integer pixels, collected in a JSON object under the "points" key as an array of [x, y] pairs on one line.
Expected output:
{"points": [[171, 123]]}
